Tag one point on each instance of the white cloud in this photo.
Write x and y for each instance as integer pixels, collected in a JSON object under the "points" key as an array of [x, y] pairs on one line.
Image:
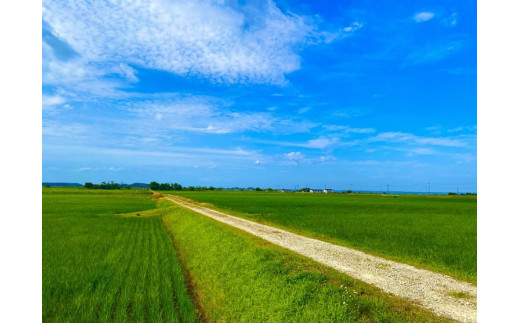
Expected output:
{"points": [[355, 26], [52, 100], [128, 72], [294, 155], [423, 16], [327, 158], [174, 156], [321, 143], [348, 129], [208, 115], [77, 74], [68, 130], [240, 43], [407, 137], [327, 36], [420, 151]]}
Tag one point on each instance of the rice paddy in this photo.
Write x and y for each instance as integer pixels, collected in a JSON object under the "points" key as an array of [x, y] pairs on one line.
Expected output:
{"points": [[433, 232], [100, 267]]}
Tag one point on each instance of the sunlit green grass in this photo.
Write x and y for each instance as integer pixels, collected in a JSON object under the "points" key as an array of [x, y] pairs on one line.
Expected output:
{"points": [[433, 232], [237, 277], [99, 267]]}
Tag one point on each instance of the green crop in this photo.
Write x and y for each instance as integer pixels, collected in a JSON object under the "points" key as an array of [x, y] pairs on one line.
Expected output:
{"points": [[101, 267]]}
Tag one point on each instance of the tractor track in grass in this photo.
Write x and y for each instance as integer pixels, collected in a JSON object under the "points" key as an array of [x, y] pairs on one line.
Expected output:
{"points": [[434, 291]]}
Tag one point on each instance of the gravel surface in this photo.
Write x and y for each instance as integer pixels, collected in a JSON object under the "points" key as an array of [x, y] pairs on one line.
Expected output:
{"points": [[424, 288]]}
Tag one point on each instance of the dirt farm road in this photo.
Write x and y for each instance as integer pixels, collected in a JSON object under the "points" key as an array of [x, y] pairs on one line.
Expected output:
{"points": [[425, 288]]}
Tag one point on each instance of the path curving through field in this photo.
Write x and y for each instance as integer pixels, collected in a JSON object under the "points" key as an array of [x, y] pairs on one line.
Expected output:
{"points": [[434, 291]]}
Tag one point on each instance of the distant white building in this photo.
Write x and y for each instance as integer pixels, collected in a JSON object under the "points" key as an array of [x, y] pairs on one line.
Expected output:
{"points": [[328, 190]]}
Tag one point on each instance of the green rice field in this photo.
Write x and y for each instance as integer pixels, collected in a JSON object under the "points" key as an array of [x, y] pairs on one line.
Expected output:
{"points": [[437, 232], [99, 267], [128, 256]]}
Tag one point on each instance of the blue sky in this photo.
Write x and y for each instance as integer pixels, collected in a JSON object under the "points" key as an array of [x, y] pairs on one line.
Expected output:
{"points": [[279, 94]]}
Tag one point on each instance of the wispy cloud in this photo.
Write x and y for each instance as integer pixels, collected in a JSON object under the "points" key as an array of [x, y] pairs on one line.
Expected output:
{"points": [[410, 138], [329, 36], [210, 115], [295, 158], [318, 143], [174, 156], [432, 53], [321, 143], [48, 100], [423, 16], [353, 27], [294, 155], [251, 43], [420, 151], [348, 129], [451, 20], [64, 130], [127, 72]]}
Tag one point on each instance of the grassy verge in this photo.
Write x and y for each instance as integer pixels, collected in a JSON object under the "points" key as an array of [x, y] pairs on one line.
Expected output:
{"points": [[433, 232], [98, 267], [236, 277]]}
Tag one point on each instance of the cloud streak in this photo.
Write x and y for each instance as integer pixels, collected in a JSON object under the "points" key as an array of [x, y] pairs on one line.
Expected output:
{"points": [[397, 137], [423, 16]]}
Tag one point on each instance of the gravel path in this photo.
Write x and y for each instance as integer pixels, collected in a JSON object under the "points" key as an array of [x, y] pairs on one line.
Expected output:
{"points": [[425, 288]]}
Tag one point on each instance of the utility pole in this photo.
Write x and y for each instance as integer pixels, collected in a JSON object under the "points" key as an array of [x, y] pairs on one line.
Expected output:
{"points": [[387, 189], [428, 188]]}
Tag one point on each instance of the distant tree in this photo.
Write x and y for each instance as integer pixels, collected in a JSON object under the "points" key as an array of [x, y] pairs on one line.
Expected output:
{"points": [[89, 185], [154, 186], [349, 191], [176, 187], [165, 187], [190, 188], [452, 193], [258, 189], [211, 188]]}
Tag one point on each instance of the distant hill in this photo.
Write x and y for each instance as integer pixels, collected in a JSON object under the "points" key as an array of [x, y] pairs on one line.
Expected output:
{"points": [[62, 184]]}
